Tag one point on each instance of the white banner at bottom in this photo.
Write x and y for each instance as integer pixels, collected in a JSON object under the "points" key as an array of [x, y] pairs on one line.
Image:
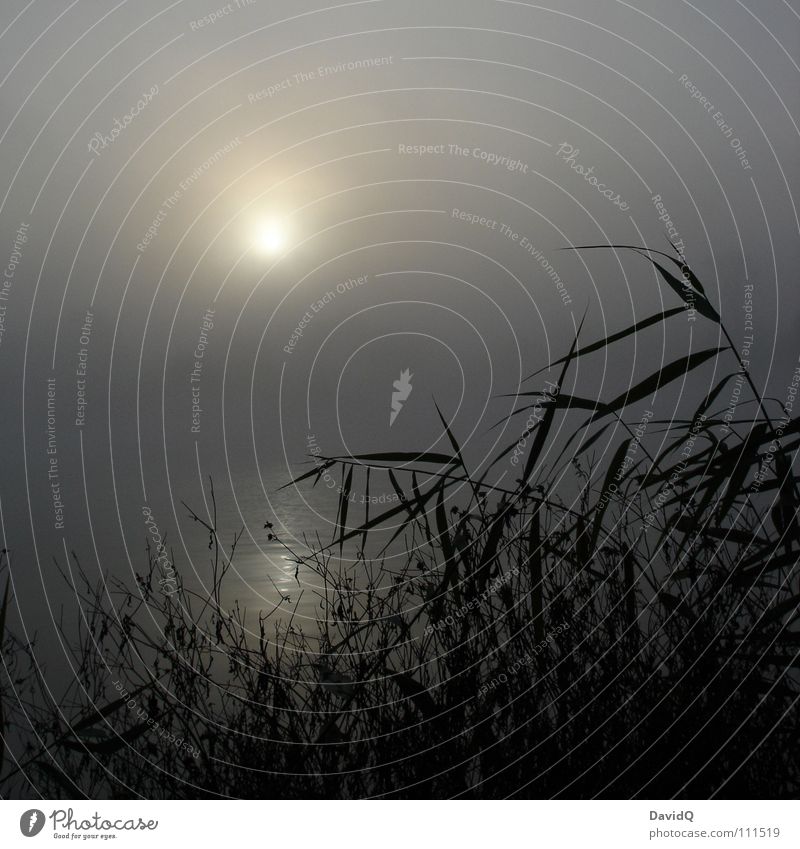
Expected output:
{"points": [[402, 824]]}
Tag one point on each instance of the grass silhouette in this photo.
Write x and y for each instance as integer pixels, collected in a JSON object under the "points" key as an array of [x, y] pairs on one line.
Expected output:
{"points": [[635, 640]]}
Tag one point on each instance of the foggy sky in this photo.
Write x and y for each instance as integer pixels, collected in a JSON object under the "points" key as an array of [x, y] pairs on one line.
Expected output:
{"points": [[242, 126]]}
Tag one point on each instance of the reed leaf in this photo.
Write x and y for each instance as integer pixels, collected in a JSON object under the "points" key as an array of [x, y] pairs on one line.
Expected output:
{"points": [[650, 385], [107, 710], [413, 691], [344, 504], [536, 574], [629, 589], [107, 747], [700, 302], [789, 608], [600, 511], [614, 337], [400, 457], [2, 714], [318, 470], [377, 521], [493, 536], [366, 510], [546, 423], [442, 526]]}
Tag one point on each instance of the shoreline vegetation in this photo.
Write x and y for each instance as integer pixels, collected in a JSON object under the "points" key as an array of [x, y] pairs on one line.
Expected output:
{"points": [[638, 641]]}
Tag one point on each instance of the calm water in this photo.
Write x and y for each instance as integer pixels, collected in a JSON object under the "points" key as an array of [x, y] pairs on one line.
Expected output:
{"points": [[263, 570]]}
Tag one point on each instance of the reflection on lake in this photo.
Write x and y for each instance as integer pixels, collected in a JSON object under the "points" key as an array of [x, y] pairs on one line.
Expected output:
{"points": [[265, 573]]}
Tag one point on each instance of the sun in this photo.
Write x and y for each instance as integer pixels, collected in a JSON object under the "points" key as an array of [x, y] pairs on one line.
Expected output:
{"points": [[270, 236]]}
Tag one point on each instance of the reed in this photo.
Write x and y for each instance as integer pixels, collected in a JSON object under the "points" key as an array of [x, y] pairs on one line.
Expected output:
{"points": [[635, 638]]}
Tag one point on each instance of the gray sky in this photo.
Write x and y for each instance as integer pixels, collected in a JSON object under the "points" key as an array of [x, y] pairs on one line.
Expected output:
{"points": [[266, 183]]}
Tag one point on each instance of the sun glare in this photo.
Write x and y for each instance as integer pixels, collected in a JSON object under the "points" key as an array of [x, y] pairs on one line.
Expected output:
{"points": [[270, 236]]}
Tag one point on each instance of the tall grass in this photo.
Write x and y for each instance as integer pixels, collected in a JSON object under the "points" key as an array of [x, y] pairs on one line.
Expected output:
{"points": [[634, 637]]}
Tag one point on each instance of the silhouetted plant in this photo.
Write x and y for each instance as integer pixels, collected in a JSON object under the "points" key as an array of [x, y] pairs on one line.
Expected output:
{"points": [[637, 641]]}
